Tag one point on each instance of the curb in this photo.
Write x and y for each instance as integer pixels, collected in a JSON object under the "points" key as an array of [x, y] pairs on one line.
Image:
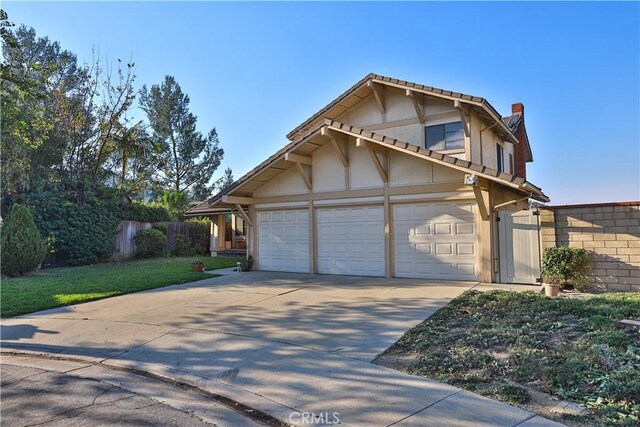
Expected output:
{"points": [[216, 391]]}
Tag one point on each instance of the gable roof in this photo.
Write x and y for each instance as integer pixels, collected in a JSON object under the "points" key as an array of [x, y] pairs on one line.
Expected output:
{"points": [[466, 166], [479, 103]]}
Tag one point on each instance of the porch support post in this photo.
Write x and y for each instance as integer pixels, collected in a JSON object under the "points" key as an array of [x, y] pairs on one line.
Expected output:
{"points": [[221, 233], [213, 235]]}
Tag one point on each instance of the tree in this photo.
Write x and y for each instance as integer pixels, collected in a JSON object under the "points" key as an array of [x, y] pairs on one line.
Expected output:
{"points": [[203, 193], [133, 160], [187, 159], [22, 248], [59, 119]]}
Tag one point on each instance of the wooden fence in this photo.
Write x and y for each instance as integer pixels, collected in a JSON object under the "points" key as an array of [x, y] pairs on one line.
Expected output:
{"points": [[124, 247]]}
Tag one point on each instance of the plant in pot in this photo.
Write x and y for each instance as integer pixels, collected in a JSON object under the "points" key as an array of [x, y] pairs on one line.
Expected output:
{"points": [[563, 266], [197, 265]]}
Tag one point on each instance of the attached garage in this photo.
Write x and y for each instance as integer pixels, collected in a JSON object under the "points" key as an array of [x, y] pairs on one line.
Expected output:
{"points": [[351, 241], [436, 241], [283, 240]]}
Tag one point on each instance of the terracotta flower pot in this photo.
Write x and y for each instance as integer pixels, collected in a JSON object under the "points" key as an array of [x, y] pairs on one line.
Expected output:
{"points": [[551, 289], [197, 267]]}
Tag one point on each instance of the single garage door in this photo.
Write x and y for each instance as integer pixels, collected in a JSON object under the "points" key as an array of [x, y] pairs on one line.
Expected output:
{"points": [[283, 240], [351, 241], [436, 241]]}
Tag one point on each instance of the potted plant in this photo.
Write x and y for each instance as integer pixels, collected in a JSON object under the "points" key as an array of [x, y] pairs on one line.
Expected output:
{"points": [[197, 265], [562, 266], [551, 284]]}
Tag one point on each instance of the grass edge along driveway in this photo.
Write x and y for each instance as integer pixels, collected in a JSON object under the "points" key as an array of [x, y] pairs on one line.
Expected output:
{"points": [[514, 346], [57, 287]]}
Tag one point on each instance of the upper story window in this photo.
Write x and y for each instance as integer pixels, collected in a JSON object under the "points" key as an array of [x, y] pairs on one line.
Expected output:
{"points": [[448, 136], [500, 158], [511, 171]]}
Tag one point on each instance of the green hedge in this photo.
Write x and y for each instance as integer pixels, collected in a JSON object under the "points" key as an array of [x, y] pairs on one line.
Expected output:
{"points": [[565, 265], [84, 232], [144, 213]]}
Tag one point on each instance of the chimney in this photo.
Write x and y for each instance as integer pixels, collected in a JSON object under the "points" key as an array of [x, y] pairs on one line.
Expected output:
{"points": [[519, 161], [517, 108]]}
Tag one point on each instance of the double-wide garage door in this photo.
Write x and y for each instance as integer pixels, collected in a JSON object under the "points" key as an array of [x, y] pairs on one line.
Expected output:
{"points": [[430, 240]]}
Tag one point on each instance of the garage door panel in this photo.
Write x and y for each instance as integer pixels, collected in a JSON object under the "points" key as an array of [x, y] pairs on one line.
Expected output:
{"points": [[351, 241], [283, 240], [435, 241]]}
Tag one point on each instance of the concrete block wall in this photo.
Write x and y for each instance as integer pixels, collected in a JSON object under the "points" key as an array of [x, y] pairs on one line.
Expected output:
{"points": [[611, 234]]}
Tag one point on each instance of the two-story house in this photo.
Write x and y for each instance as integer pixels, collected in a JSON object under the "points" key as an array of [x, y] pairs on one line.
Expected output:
{"points": [[391, 179]]}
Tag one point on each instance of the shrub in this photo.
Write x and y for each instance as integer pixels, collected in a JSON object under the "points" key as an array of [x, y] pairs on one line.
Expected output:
{"points": [[160, 227], [83, 232], [199, 234], [22, 248], [565, 265], [144, 213], [246, 264], [182, 246], [149, 242]]}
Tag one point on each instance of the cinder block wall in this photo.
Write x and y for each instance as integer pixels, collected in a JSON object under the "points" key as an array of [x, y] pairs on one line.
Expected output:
{"points": [[611, 234]]}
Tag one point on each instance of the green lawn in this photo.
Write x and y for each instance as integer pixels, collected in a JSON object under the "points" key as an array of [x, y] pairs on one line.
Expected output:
{"points": [[530, 351], [55, 287]]}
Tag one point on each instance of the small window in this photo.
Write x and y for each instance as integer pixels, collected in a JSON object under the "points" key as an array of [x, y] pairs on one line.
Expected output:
{"points": [[511, 164], [500, 157], [449, 136]]}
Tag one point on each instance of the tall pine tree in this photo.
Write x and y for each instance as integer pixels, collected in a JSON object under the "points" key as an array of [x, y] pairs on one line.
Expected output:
{"points": [[188, 159]]}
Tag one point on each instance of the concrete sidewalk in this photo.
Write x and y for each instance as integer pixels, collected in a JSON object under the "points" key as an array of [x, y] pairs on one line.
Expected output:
{"points": [[280, 343]]}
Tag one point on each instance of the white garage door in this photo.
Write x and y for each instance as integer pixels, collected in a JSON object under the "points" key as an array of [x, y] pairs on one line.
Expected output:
{"points": [[283, 240], [351, 241], [436, 241]]}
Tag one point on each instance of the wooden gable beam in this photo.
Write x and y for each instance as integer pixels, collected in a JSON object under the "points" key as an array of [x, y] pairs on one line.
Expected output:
{"points": [[463, 116], [336, 146], [244, 215], [304, 176], [374, 158], [291, 157], [412, 96], [377, 94], [234, 200], [482, 198]]}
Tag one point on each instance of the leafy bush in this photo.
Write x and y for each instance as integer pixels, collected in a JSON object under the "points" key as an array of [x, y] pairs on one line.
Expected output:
{"points": [[199, 234], [565, 265], [182, 246], [144, 213], [83, 232], [160, 227], [149, 242], [246, 264], [22, 248]]}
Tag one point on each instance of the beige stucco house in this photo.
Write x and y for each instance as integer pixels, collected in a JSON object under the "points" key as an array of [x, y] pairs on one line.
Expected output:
{"points": [[391, 179]]}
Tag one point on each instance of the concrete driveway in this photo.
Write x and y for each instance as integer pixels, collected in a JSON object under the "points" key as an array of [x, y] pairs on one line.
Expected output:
{"points": [[285, 344]]}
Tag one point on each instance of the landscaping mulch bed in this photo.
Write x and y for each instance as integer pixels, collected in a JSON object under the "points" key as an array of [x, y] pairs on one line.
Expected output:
{"points": [[533, 352]]}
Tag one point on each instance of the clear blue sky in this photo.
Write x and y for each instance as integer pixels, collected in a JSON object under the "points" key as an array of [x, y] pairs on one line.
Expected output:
{"points": [[256, 70]]}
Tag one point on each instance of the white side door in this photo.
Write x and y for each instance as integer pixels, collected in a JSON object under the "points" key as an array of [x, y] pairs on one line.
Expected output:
{"points": [[283, 240], [351, 241], [436, 240]]}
